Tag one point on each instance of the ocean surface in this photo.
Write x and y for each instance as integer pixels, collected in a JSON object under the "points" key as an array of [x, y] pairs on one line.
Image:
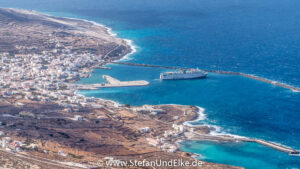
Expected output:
{"points": [[258, 37]]}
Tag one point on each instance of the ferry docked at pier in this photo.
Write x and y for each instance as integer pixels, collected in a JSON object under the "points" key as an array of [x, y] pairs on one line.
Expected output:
{"points": [[183, 74]]}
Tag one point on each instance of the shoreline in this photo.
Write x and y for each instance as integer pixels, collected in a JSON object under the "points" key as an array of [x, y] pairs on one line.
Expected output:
{"points": [[200, 112], [108, 30], [217, 136], [127, 53], [113, 34]]}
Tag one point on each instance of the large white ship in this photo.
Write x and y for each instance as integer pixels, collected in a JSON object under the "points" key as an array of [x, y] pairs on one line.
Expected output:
{"points": [[183, 74]]}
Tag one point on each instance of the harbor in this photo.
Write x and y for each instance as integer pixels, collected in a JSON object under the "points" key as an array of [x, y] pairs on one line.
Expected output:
{"points": [[279, 84], [57, 101], [225, 138], [111, 82]]}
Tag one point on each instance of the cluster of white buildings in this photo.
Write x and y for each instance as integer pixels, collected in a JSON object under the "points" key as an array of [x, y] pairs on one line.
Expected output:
{"points": [[8, 144], [166, 142], [163, 144], [148, 109], [45, 78]]}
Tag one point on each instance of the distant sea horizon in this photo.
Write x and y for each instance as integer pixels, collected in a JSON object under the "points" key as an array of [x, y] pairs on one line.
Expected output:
{"points": [[253, 37]]}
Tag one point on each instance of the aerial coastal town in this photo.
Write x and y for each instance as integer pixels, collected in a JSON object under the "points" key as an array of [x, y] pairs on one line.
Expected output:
{"points": [[44, 123]]}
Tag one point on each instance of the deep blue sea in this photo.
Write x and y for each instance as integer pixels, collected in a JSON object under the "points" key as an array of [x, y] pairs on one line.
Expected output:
{"points": [[259, 37]]}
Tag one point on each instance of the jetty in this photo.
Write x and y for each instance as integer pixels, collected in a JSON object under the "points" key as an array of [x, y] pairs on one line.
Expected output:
{"points": [[111, 82], [147, 65], [293, 88], [102, 67], [227, 138]]}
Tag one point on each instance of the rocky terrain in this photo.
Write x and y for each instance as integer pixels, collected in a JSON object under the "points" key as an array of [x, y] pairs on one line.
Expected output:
{"points": [[28, 32]]}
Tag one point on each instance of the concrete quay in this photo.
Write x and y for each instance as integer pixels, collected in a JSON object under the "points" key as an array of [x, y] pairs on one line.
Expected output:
{"points": [[112, 82]]}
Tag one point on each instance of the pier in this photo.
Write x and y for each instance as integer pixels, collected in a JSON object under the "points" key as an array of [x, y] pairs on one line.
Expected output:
{"points": [[111, 82], [295, 89], [225, 138]]}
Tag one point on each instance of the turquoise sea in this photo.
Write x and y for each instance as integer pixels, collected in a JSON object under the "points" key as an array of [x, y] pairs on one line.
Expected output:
{"points": [[251, 36]]}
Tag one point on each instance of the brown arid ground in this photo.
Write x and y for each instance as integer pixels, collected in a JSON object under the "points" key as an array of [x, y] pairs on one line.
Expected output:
{"points": [[27, 32], [52, 127], [117, 135]]}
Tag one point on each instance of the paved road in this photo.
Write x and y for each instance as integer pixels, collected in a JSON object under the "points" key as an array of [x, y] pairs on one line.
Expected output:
{"points": [[39, 160]]}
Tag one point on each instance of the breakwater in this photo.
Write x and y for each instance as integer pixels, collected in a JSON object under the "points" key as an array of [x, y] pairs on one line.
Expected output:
{"points": [[293, 88], [147, 65], [226, 138], [296, 89]]}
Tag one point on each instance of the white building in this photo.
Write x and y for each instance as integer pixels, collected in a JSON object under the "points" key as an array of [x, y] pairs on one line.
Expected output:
{"points": [[153, 142], [78, 118], [145, 130], [178, 128], [61, 153], [1, 133]]}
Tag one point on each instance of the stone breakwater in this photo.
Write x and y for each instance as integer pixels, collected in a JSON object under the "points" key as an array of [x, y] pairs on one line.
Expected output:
{"points": [[227, 138], [193, 134], [293, 88]]}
